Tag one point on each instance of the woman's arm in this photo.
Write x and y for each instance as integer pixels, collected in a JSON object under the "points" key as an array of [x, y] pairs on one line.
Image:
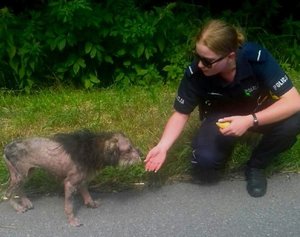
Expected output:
{"points": [[287, 105], [157, 155]]}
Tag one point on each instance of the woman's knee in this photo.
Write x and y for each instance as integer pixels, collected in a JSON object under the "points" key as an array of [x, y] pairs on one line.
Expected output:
{"points": [[206, 159]]}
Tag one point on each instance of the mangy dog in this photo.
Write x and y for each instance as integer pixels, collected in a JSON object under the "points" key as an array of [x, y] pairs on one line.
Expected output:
{"points": [[72, 157]]}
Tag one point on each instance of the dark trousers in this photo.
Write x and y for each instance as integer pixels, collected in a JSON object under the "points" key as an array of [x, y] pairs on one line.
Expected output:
{"points": [[211, 149]]}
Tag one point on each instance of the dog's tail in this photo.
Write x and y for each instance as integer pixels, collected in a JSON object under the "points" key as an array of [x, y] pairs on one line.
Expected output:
{"points": [[15, 177], [7, 162], [4, 185], [10, 164]]}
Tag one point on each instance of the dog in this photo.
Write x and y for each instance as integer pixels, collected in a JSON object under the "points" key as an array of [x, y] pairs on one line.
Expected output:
{"points": [[72, 157]]}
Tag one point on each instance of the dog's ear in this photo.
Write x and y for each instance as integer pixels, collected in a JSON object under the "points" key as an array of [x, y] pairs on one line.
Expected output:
{"points": [[111, 144], [112, 152], [123, 143]]}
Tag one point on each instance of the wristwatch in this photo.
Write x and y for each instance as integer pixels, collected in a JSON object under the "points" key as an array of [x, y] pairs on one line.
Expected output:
{"points": [[255, 120]]}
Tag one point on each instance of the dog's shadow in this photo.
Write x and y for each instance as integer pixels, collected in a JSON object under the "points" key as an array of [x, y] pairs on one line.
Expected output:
{"points": [[102, 196]]}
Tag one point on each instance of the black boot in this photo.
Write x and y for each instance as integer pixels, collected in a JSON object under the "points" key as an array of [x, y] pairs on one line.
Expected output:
{"points": [[256, 182]]}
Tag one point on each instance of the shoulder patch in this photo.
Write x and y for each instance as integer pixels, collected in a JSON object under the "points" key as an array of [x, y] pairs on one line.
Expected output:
{"points": [[191, 69], [254, 52]]}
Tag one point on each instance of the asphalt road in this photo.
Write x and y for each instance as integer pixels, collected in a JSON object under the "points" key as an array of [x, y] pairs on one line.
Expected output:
{"points": [[179, 209]]}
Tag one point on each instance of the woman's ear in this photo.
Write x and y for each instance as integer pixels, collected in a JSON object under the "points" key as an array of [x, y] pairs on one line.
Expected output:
{"points": [[232, 55], [231, 59]]}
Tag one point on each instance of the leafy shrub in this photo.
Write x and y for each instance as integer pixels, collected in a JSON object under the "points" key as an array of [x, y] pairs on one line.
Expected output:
{"points": [[280, 37], [90, 44]]}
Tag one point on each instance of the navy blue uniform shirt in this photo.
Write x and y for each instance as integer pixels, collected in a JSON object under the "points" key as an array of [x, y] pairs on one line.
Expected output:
{"points": [[257, 75]]}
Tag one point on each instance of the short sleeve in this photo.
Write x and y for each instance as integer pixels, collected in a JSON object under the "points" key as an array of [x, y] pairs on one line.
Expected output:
{"points": [[268, 70], [189, 91]]}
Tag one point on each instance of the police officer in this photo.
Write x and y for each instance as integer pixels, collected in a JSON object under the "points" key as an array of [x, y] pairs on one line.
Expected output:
{"points": [[239, 83]]}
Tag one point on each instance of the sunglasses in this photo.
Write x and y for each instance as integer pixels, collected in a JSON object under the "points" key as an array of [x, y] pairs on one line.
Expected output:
{"points": [[207, 62]]}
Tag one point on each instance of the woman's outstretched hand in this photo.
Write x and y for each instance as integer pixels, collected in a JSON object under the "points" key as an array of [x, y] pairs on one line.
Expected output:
{"points": [[155, 159]]}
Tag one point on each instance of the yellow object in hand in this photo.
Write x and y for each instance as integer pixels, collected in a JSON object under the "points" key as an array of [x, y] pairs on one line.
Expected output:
{"points": [[223, 124]]}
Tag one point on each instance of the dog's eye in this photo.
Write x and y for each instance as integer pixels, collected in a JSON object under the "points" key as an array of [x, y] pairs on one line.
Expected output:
{"points": [[129, 148]]}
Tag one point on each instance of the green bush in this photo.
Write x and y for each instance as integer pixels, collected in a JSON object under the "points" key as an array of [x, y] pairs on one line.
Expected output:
{"points": [[281, 38], [90, 43]]}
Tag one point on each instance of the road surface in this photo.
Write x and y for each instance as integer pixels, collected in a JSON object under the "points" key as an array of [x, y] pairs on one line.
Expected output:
{"points": [[181, 209]]}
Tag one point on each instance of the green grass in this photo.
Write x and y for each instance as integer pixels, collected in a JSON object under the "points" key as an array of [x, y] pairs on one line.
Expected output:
{"points": [[139, 113]]}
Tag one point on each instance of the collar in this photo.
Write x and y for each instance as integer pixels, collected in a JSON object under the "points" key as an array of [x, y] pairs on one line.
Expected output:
{"points": [[243, 67]]}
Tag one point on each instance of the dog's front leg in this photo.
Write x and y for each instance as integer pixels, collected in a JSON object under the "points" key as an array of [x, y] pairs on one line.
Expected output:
{"points": [[69, 209], [87, 199]]}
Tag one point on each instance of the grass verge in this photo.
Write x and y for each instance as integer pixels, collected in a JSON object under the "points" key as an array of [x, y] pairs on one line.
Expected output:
{"points": [[139, 113]]}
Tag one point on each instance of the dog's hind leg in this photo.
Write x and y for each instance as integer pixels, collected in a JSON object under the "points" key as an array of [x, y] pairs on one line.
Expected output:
{"points": [[14, 193], [25, 202]]}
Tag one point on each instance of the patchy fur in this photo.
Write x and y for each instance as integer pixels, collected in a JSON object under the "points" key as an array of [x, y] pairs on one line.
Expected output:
{"points": [[72, 157]]}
